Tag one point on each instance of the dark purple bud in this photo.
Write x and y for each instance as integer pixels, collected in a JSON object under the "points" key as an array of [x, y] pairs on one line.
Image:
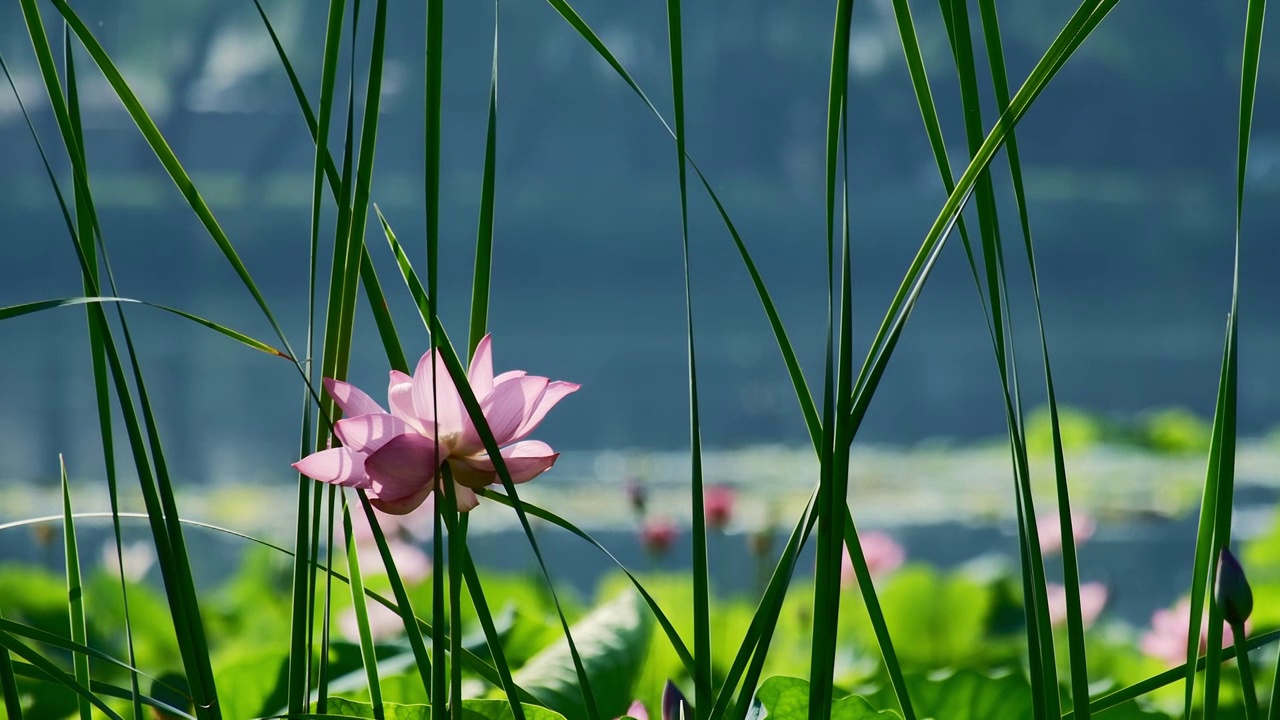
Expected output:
{"points": [[1235, 597], [638, 495], [674, 706]]}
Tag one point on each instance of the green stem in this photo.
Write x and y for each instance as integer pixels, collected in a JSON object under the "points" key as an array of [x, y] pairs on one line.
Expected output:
{"points": [[1251, 711]]}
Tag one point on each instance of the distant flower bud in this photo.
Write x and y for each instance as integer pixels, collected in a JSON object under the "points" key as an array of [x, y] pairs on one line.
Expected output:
{"points": [[658, 535], [1235, 597], [760, 542], [717, 503], [638, 496], [674, 706]]}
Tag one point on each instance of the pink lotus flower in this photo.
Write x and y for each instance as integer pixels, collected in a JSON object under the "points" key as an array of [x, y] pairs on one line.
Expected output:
{"points": [[1093, 597], [1167, 638], [396, 456], [717, 504], [883, 555], [658, 535], [1049, 528], [636, 711]]}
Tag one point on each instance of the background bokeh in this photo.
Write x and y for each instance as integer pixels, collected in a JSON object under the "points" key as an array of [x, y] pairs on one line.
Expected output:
{"points": [[1133, 229]]}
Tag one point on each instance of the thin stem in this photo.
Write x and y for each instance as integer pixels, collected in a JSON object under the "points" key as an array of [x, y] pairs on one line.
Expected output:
{"points": [[1251, 711]]}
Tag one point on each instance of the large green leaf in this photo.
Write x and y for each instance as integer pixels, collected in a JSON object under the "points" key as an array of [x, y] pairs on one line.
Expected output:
{"points": [[390, 711], [255, 684], [471, 710], [966, 695], [785, 698], [501, 710], [612, 642]]}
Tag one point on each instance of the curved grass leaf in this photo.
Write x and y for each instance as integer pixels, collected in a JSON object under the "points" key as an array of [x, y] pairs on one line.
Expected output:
{"points": [[677, 643], [167, 158], [54, 673], [105, 690]]}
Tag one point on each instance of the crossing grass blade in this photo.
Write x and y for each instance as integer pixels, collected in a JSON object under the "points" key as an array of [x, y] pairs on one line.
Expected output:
{"points": [[102, 689], [1039, 633], [9, 686], [1170, 676], [76, 647], [681, 649], [1075, 625], [75, 593], [54, 673]]}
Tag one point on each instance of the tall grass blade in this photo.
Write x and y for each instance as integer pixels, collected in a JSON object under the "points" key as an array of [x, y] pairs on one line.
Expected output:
{"points": [[433, 81], [156, 490], [833, 457], [85, 223], [362, 613], [1222, 450], [759, 634], [484, 233], [701, 585], [75, 593], [481, 604], [1071, 581], [1039, 633], [87, 257]]}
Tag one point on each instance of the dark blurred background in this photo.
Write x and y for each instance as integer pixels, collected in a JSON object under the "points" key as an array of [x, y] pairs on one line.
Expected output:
{"points": [[1129, 159]]}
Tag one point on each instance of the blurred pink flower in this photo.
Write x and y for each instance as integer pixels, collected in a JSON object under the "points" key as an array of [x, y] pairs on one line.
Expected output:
{"points": [[636, 711], [1093, 598], [1049, 528], [384, 623], [717, 503], [658, 535], [401, 532], [1167, 638], [395, 457], [883, 554]]}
